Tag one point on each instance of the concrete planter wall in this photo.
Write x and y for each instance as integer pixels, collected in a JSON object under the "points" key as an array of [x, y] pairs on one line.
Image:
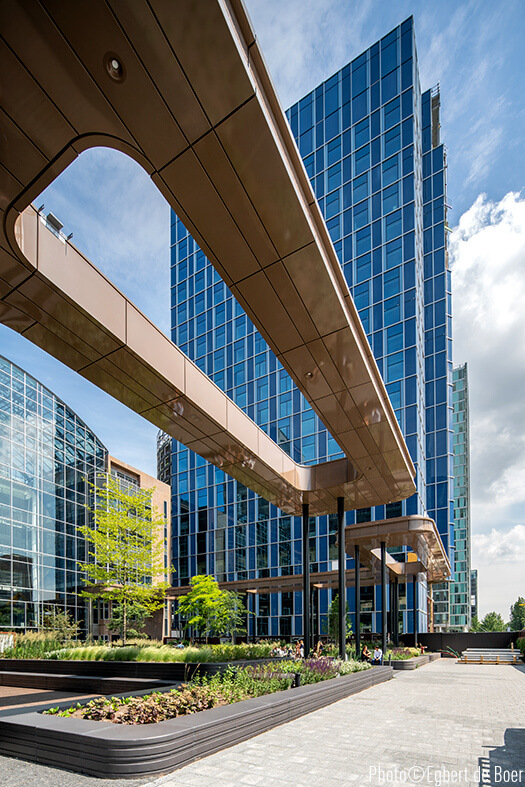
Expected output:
{"points": [[114, 750], [170, 671], [415, 662]]}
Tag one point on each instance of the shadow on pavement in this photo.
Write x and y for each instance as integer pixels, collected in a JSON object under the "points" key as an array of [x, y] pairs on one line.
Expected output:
{"points": [[505, 764]]}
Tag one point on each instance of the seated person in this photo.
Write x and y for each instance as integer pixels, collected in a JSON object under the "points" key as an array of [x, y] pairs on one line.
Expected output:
{"points": [[365, 654], [378, 655]]}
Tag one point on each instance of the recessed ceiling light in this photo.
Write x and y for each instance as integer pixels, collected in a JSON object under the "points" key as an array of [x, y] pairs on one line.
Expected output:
{"points": [[114, 67], [309, 375]]}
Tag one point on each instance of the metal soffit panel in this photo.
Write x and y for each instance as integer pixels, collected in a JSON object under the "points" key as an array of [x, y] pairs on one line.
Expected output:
{"points": [[288, 583], [194, 105], [417, 532]]}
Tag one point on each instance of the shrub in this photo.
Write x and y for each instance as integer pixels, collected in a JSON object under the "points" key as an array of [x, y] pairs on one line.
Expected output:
{"points": [[201, 694], [234, 685], [398, 654], [520, 643], [352, 665], [146, 710], [316, 670]]}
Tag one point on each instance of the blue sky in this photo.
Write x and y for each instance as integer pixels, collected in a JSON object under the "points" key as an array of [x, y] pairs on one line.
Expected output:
{"points": [[475, 51]]}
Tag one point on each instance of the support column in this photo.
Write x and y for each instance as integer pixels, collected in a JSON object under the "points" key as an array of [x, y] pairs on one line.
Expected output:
{"points": [[383, 598], [318, 617], [414, 588], [357, 602], [90, 618], [167, 623], [390, 626], [342, 576], [250, 614], [431, 605], [306, 578], [313, 637], [396, 612]]}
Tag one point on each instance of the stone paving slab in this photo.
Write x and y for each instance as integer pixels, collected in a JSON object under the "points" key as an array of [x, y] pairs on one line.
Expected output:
{"points": [[430, 725], [435, 726]]}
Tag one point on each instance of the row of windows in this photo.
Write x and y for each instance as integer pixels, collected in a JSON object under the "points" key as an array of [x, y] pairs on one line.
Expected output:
{"points": [[18, 614], [370, 99], [357, 153], [373, 68]]}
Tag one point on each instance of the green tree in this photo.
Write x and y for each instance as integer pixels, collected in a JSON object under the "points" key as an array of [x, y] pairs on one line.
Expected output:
{"points": [[135, 618], [475, 625], [231, 615], [211, 610], [61, 624], [332, 625], [125, 553], [493, 622], [201, 606], [517, 615]]}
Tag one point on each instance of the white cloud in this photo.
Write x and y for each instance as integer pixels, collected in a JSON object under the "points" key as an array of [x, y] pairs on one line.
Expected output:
{"points": [[499, 546], [499, 557], [488, 256], [488, 283]]}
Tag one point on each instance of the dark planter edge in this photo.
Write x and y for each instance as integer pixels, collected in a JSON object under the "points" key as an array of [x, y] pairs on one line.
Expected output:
{"points": [[415, 661], [121, 751]]}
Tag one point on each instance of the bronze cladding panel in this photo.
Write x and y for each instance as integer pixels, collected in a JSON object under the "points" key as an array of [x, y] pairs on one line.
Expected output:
{"points": [[197, 109]]}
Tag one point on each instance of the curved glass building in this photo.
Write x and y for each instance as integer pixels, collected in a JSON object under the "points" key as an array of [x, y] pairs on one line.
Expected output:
{"points": [[47, 453]]}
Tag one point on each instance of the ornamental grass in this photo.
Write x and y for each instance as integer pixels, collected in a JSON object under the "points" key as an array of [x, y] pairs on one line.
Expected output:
{"points": [[165, 653]]}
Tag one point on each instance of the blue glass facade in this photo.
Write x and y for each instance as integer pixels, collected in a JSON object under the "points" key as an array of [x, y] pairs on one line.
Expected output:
{"points": [[370, 143], [46, 455]]}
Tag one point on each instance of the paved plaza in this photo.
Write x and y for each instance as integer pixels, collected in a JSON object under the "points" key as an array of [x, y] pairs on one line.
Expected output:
{"points": [[445, 723]]}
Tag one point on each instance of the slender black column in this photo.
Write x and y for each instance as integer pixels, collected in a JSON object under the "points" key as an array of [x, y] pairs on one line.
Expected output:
{"points": [[390, 627], [306, 578], [396, 612], [342, 576], [414, 587], [318, 617], [357, 602], [251, 618], [312, 621], [383, 597]]}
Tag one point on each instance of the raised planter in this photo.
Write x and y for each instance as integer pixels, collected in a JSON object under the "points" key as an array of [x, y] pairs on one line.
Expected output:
{"points": [[171, 671], [415, 661], [117, 750], [86, 684]]}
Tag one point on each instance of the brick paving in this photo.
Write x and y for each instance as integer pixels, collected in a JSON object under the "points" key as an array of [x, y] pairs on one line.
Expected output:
{"points": [[435, 726]]}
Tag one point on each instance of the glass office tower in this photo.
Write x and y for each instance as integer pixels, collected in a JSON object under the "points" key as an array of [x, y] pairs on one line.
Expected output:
{"points": [[46, 455], [371, 146], [452, 604]]}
